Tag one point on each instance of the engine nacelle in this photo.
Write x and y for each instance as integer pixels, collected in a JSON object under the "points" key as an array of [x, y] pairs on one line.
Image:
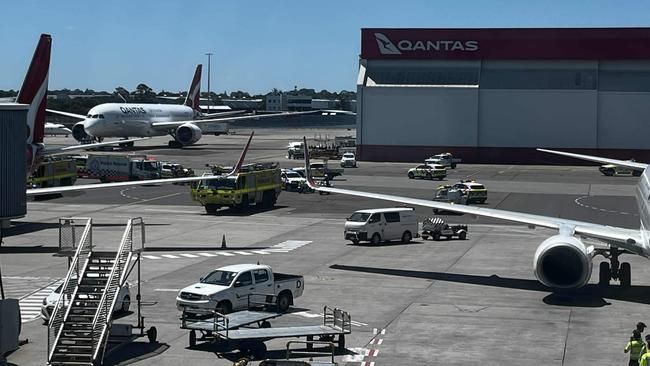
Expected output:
{"points": [[562, 262], [79, 132], [188, 134]]}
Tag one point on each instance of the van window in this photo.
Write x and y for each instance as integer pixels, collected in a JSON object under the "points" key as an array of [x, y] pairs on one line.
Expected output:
{"points": [[374, 218], [359, 217], [391, 216]]}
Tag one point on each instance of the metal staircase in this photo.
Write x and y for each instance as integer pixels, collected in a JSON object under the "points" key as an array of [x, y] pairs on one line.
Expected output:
{"points": [[81, 320]]}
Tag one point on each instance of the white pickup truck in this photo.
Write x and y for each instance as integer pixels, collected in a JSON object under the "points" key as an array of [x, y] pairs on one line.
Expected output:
{"points": [[228, 288]]}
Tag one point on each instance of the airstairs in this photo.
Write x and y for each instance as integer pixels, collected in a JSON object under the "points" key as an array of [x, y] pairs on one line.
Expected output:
{"points": [[82, 317]]}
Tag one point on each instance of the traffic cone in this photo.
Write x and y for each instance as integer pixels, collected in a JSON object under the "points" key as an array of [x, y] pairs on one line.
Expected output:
{"points": [[223, 242]]}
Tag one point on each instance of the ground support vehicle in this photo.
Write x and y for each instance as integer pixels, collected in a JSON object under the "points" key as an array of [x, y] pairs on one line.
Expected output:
{"points": [[383, 224], [348, 160], [473, 191], [229, 331], [309, 345], [292, 181], [115, 167], [214, 128], [425, 171], [54, 173], [611, 170], [435, 228], [446, 159], [295, 150], [173, 170], [256, 184], [322, 170], [229, 288]]}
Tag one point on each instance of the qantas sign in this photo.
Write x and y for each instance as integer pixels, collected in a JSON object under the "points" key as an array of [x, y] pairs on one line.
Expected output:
{"points": [[387, 47]]}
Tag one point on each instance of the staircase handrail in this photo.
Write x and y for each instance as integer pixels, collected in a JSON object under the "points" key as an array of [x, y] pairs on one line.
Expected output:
{"points": [[61, 310], [114, 284]]}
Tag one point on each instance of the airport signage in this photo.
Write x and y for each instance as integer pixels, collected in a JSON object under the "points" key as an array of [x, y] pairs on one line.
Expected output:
{"points": [[511, 43]]}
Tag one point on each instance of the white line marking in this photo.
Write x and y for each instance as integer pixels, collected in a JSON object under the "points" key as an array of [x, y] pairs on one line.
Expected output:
{"points": [[151, 257], [207, 254], [167, 289], [226, 254], [189, 255], [170, 256], [243, 253], [259, 252]]}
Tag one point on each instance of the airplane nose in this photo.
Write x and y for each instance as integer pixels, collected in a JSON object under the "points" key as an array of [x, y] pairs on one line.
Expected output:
{"points": [[91, 126]]}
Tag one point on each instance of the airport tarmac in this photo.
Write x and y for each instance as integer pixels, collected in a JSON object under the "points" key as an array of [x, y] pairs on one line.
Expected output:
{"points": [[425, 303]]}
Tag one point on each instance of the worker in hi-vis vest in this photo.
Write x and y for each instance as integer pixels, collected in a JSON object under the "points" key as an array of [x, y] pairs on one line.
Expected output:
{"points": [[635, 347]]}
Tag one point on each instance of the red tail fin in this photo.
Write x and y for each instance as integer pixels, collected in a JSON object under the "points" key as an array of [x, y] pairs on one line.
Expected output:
{"points": [[34, 89], [240, 162], [194, 93]]}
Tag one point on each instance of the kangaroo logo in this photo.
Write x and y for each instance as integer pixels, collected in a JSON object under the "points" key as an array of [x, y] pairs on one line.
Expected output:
{"points": [[386, 47]]}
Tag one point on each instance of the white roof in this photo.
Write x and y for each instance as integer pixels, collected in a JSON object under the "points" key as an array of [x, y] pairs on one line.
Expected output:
{"points": [[242, 267], [382, 210]]}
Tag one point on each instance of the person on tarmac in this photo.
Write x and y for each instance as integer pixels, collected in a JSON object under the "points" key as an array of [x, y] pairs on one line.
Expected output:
{"points": [[635, 347], [640, 326], [644, 359]]}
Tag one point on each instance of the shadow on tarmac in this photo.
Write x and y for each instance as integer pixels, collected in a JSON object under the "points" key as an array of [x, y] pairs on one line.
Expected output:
{"points": [[591, 295], [256, 350], [134, 352], [252, 210], [24, 227]]}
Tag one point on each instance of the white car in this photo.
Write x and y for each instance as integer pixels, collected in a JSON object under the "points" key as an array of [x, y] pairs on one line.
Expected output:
{"points": [[348, 160], [292, 180], [123, 301]]}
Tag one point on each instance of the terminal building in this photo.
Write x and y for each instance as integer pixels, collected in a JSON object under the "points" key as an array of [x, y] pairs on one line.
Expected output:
{"points": [[494, 95]]}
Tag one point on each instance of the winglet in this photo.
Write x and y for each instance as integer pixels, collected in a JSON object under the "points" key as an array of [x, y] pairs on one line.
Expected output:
{"points": [[240, 162], [310, 180]]}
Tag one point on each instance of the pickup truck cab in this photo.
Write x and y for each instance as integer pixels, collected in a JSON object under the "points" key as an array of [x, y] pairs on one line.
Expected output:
{"points": [[446, 159], [348, 160], [292, 180], [228, 288]]}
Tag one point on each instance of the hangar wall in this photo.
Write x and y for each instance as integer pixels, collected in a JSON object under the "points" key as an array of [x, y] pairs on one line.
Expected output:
{"points": [[494, 95]]}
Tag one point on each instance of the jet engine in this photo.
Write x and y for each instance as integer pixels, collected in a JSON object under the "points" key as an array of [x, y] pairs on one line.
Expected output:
{"points": [[188, 134], [562, 262], [79, 133]]}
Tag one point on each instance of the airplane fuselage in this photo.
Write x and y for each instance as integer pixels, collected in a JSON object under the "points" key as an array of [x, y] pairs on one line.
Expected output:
{"points": [[133, 119]]}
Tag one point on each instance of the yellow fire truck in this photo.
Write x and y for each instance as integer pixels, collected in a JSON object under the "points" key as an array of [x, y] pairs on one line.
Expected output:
{"points": [[54, 173], [256, 184]]}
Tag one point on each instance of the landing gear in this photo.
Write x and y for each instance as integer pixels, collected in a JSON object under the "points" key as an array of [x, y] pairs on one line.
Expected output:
{"points": [[174, 144], [614, 270]]}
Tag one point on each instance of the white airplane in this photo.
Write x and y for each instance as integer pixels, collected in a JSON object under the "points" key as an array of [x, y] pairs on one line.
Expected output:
{"points": [[56, 129], [562, 261], [148, 120], [33, 92]]}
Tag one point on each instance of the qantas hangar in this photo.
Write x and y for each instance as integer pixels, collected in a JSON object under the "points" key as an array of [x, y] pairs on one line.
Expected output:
{"points": [[494, 95]]}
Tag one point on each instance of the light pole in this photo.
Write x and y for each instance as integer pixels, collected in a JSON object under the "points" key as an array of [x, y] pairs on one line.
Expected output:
{"points": [[209, 54]]}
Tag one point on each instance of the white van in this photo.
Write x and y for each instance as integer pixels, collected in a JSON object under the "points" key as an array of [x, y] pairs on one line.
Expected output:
{"points": [[382, 224]]}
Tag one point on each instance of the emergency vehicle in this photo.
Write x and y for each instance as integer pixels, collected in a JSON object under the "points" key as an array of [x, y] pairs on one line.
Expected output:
{"points": [[473, 191], [54, 172], [256, 184], [112, 167], [611, 170], [425, 171]]}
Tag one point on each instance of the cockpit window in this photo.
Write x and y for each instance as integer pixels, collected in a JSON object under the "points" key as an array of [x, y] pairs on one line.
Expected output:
{"points": [[89, 116], [94, 116], [101, 116]]}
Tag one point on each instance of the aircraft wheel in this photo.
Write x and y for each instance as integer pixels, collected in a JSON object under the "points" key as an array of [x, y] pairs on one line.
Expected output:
{"points": [[604, 274], [192, 339], [625, 274]]}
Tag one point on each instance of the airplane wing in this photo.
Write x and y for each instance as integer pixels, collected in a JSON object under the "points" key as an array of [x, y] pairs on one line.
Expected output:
{"points": [[67, 114], [620, 237], [168, 125], [221, 114], [626, 163], [85, 187], [68, 149]]}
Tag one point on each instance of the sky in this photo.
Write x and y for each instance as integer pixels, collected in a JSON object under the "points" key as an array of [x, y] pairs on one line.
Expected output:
{"points": [[257, 45]]}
